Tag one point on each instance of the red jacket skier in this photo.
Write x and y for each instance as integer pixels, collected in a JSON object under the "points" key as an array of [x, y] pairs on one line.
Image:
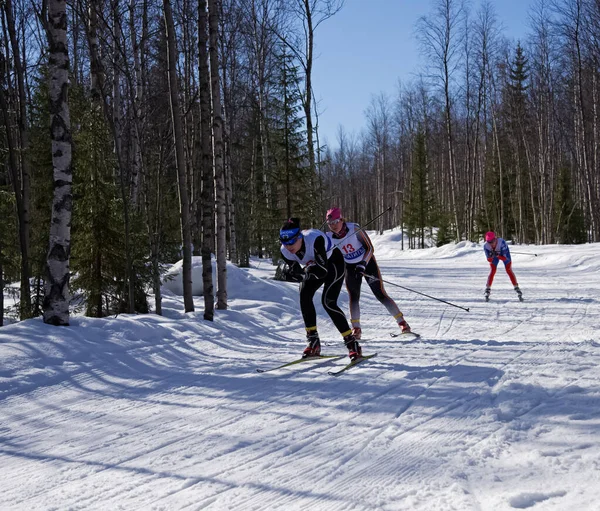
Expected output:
{"points": [[496, 249]]}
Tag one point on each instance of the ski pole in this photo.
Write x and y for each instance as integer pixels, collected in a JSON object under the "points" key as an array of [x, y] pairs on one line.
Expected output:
{"points": [[368, 278], [523, 253], [363, 227]]}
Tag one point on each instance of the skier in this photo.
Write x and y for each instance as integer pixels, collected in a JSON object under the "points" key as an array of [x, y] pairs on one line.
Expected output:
{"points": [[324, 266], [496, 250], [360, 260]]}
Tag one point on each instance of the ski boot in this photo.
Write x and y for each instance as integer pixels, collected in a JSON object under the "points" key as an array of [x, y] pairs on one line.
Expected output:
{"points": [[404, 326], [519, 293], [357, 332], [354, 349], [314, 345], [486, 295]]}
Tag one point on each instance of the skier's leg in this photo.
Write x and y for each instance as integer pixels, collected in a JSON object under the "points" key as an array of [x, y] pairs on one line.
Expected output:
{"points": [[493, 268], [511, 274], [353, 287], [513, 278], [376, 285], [308, 288], [331, 292]]}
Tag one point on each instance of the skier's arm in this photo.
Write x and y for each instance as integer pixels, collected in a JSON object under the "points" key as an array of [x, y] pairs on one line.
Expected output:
{"points": [[319, 268], [363, 237], [294, 266], [504, 253]]}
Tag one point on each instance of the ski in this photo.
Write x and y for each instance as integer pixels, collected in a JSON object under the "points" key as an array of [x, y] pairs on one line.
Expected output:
{"points": [[350, 365], [520, 297], [299, 361], [413, 335]]}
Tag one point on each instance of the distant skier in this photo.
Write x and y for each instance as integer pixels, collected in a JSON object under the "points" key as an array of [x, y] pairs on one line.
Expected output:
{"points": [[496, 250], [360, 261], [324, 266]]}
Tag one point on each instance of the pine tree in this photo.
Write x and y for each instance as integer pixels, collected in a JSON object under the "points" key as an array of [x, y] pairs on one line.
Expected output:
{"points": [[569, 216], [419, 204], [292, 175], [41, 187], [9, 254], [98, 254], [520, 218]]}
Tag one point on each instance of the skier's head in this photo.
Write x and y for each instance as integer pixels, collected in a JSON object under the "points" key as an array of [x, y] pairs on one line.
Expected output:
{"points": [[290, 233], [334, 219], [336, 222], [490, 236]]}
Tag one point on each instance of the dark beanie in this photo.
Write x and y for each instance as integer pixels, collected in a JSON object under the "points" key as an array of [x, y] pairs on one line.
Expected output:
{"points": [[291, 223]]}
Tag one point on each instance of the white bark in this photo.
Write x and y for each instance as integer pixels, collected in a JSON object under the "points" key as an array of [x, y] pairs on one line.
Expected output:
{"points": [[56, 299], [213, 29]]}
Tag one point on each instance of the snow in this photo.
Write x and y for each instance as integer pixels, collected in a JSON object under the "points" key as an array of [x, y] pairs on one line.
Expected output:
{"points": [[493, 409]]}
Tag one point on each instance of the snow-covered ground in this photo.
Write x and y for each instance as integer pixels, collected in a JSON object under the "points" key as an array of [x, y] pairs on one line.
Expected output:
{"points": [[493, 409]]}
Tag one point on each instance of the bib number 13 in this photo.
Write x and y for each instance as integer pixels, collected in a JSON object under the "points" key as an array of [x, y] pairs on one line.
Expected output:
{"points": [[348, 248]]}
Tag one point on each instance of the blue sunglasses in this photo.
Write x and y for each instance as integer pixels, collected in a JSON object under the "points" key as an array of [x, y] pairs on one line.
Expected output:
{"points": [[289, 236]]}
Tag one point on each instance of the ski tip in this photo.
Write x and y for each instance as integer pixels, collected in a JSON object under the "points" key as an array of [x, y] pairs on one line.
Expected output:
{"points": [[413, 335], [351, 364]]}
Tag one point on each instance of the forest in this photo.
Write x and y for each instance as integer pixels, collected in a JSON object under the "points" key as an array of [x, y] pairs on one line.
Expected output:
{"points": [[137, 133]]}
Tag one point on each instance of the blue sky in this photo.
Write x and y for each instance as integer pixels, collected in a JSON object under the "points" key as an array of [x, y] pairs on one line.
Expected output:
{"points": [[370, 44]]}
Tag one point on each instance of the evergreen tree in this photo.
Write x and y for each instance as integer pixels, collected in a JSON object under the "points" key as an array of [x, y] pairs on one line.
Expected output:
{"points": [[41, 186], [569, 215], [98, 253], [419, 204], [518, 218], [292, 176], [9, 254]]}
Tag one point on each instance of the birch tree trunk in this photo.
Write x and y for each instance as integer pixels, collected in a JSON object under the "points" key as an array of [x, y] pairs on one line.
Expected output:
{"points": [[213, 30], [184, 202], [56, 299]]}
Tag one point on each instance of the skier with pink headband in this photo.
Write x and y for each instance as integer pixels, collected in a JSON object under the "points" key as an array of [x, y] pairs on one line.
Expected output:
{"points": [[496, 249], [359, 257]]}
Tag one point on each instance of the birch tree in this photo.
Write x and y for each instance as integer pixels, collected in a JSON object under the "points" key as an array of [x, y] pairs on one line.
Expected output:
{"points": [[56, 299], [217, 123]]}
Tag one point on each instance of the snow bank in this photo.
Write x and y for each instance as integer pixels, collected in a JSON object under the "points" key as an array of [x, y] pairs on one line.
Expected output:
{"points": [[241, 284]]}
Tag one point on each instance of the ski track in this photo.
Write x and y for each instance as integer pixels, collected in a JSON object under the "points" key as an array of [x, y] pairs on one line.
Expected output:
{"points": [[432, 423]]}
